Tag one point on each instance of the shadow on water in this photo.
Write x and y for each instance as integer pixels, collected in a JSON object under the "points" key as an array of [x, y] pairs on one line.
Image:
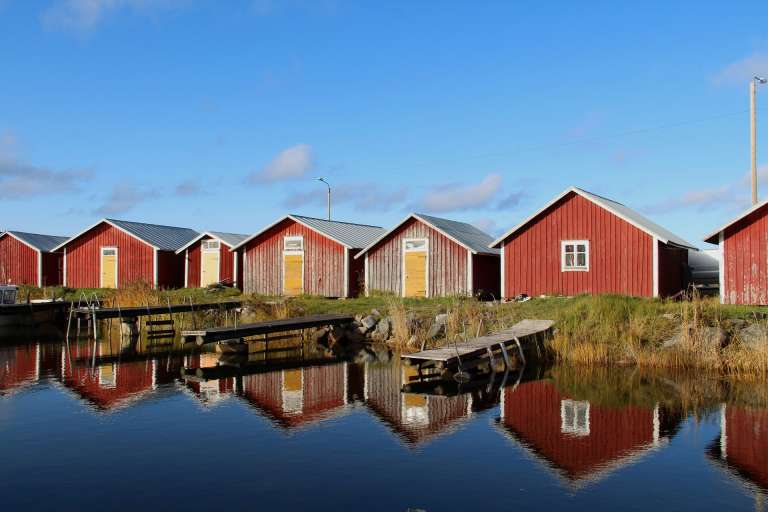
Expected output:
{"points": [[580, 426]]}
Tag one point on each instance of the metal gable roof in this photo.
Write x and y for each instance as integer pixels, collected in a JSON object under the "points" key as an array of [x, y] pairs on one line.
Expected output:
{"points": [[618, 209], [462, 233], [164, 238], [712, 238], [43, 243], [230, 239], [348, 234]]}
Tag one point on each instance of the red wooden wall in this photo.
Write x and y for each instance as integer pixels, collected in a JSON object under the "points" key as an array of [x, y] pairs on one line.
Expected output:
{"points": [[18, 262], [448, 270], [746, 260], [621, 255], [533, 413], [226, 259], [323, 262]]}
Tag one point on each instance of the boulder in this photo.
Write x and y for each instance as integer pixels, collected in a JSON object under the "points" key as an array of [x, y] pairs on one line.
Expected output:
{"points": [[375, 312], [754, 336], [369, 322], [384, 328], [712, 337], [437, 329], [412, 321], [337, 334]]}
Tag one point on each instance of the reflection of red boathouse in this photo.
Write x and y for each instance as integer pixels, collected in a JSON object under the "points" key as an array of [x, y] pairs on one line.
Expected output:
{"points": [[743, 447], [19, 367], [580, 441], [107, 386], [298, 397], [415, 418], [210, 392]]}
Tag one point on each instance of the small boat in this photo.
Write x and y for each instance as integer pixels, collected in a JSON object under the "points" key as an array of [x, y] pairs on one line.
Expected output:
{"points": [[31, 313]]}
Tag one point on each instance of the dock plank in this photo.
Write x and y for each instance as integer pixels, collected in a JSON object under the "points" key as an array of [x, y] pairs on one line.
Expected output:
{"points": [[271, 326], [137, 311], [479, 346]]}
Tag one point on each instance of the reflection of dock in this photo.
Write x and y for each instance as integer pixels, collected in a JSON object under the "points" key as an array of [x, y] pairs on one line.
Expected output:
{"points": [[579, 441], [215, 334], [742, 449]]}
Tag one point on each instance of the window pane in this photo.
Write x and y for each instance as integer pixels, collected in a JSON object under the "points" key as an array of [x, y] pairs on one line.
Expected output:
{"points": [[581, 260], [581, 248], [411, 245], [295, 244], [568, 248], [569, 260]]}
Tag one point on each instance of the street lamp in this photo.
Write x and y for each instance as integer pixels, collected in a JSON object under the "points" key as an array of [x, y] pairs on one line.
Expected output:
{"points": [[329, 195], [753, 131]]}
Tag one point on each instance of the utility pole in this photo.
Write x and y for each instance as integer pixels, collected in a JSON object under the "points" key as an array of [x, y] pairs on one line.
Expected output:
{"points": [[753, 131], [329, 195]]}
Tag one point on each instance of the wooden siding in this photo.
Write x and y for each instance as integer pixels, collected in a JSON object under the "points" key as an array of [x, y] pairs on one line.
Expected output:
{"points": [[18, 262], [620, 259], [135, 258], [226, 263], [532, 413], [323, 262], [447, 262], [745, 256]]}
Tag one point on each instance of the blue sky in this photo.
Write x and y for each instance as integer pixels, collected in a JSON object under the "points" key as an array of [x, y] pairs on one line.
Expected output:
{"points": [[218, 114]]}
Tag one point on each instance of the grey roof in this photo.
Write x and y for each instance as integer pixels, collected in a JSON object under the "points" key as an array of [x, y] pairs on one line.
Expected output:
{"points": [[165, 238], [462, 233], [353, 236], [231, 239], [713, 237], [617, 209], [43, 243], [466, 234]]}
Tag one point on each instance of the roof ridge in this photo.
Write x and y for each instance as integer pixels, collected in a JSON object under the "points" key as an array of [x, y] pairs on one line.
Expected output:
{"points": [[31, 233], [335, 221], [148, 224]]}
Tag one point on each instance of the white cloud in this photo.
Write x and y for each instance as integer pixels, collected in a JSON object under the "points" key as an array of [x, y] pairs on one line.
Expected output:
{"points": [[486, 224], [20, 180], [84, 15], [188, 188], [291, 163], [743, 70], [124, 197], [510, 201], [455, 197]]}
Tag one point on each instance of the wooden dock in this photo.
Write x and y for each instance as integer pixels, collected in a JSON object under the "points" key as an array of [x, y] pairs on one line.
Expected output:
{"points": [[137, 311], [215, 334], [451, 355]]}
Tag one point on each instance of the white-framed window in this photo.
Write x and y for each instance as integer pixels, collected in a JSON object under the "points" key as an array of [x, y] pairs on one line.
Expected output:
{"points": [[574, 255], [574, 417], [293, 243], [109, 251], [415, 244], [211, 245]]}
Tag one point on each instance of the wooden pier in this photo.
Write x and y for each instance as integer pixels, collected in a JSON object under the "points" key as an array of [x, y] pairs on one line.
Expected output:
{"points": [[137, 311], [465, 351], [217, 334]]}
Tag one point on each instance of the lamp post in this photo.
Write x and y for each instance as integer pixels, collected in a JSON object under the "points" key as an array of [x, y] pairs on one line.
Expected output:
{"points": [[329, 195], [753, 131]]}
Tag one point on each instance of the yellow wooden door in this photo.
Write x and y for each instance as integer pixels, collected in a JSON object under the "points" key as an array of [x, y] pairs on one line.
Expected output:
{"points": [[109, 268], [293, 274], [210, 269], [416, 274]]}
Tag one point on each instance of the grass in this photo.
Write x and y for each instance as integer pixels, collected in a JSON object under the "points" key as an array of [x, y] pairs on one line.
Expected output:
{"points": [[590, 330]]}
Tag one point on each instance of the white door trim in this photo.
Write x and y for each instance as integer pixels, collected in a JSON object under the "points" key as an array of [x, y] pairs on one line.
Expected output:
{"points": [[202, 262], [721, 266], [426, 264], [101, 266], [655, 267]]}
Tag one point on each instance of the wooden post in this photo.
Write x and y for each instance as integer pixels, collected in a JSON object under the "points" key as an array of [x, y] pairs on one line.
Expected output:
{"points": [[753, 135]]}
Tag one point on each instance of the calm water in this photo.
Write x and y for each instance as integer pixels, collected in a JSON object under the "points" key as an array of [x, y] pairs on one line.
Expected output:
{"points": [[97, 425]]}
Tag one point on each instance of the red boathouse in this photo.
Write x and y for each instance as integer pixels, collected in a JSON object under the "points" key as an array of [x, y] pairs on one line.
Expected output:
{"points": [[426, 256], [115, 253], [743, 247], [584, 243], [30, 258], [300, 255], [209, 259]]}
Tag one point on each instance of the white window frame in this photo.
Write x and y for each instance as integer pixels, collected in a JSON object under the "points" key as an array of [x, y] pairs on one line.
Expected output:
{"points": [[204, 245], [573, 427], [202, 260], [402, 263], [575, 243], [292, 252], [293, 239], [117, 266]]}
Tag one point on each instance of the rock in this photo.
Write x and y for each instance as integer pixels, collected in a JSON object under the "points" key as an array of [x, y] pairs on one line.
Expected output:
{"points": [[337, 334], [441, 319], [670, 316], [383, 328], [413, 341], [375, 312], [358, 318], [412, 321], [711, 337], [437, 329], [737, 323], [319, 335], [369, 322], [355, 334], [754, 336]]}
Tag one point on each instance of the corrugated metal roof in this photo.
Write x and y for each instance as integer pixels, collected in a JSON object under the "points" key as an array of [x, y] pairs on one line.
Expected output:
{"points": [[43, 243], [231, 239], [462, 233], [165, 238], [352, 235], [617, 209], [466, 234]]}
